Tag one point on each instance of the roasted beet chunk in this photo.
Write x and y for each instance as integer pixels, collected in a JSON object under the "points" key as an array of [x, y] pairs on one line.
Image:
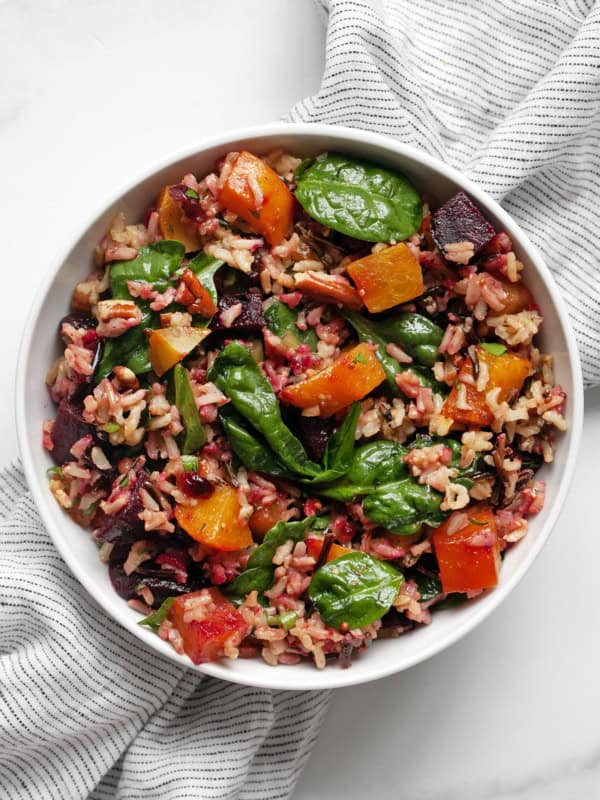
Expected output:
{"points": [[313, 432], [240, 314], [125, 525], [459, 229], [69, 427]]}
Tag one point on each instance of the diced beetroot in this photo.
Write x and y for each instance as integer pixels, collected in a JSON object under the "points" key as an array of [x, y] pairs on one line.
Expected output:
{"points": [[313, 432], [125, 525], [69, 427], [204, 640], [79, 320], [458, 220], [161, 583], [250, 320]]}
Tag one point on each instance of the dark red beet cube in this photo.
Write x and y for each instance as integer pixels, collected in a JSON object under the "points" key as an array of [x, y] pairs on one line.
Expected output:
{"points": [[250, 320], [458, 220], [69, 427]]}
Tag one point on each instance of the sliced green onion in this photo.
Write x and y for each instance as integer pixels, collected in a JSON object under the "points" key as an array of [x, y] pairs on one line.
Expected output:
{"points": [[110, 427], [190, 463], [54, 471], [287, 620], [494, 348], [191, 193], [124, 481]]}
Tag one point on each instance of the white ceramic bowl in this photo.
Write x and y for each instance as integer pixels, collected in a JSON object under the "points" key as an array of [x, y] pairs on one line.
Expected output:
{"points": [[40, 346]]}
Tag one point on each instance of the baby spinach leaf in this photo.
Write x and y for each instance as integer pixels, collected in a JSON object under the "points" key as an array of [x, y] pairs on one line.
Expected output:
{"points": [[238, 376], [282, 321], [354, 589], [260, 569], [251, 448], [428, 585], [156, 619], [131, 349], [154, 263], [415, 333], [404, 506], [279, 534], [359, 199], [373, 464], [194, 435]]}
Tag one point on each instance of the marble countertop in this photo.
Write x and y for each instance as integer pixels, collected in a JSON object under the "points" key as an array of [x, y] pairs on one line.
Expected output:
{"points": [[91, 92]]}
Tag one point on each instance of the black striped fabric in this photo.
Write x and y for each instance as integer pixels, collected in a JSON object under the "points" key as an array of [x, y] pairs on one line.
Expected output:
{"points": [[86, 710], [508, 91]]}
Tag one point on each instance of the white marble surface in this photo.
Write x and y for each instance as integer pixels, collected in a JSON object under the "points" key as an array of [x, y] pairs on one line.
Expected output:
{"points": [[92, 90]]}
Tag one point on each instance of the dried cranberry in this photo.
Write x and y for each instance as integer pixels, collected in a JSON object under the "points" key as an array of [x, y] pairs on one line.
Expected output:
{"points": [[189, 202], [194, 485]]}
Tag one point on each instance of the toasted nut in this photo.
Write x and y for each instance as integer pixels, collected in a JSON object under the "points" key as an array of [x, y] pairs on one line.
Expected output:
{"points": [[116, 316], [99, 459], [126, 378]]}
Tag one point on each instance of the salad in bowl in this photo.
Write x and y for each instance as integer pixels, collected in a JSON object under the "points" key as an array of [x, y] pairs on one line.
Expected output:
{"points": [[301, 406]]}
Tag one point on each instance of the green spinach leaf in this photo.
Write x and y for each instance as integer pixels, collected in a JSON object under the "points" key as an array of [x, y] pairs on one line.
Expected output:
{"points": [[359, 199], [373, 464], [404, 506], [282, 321], [131, 349], [251, 448], [155, 264], [415, 333], [238, 376], [259, 571], [194, 435], [354, 590]]}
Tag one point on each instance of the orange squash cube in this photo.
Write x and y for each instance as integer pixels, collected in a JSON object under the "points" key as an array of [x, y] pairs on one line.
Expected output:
{"points": [[171, 226], [468, 558], [169, 346], [387, 278], [215, 520], [506, 371], [272, 215], [355, 373]]}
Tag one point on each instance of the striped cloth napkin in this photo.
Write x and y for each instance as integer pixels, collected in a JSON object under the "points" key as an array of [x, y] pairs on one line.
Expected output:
{"points": [[87, 710], [509, 93]]}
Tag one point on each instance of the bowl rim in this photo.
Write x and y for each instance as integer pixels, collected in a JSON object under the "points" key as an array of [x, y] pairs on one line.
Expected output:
{"points": [[327, 678]]}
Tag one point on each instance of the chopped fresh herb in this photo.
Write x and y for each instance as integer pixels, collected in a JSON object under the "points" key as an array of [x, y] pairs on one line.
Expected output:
{"points": [[124, 481], [110, 427], [191, 193], [494, 348], [190, 463], [359, 359], [54, 472]]}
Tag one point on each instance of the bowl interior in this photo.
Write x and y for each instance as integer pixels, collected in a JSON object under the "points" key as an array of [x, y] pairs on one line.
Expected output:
{"points": [[40, 347]]}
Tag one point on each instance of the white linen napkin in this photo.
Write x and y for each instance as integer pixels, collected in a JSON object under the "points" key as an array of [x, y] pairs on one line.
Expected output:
{"points": [[87, 710], [508, 92]]}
